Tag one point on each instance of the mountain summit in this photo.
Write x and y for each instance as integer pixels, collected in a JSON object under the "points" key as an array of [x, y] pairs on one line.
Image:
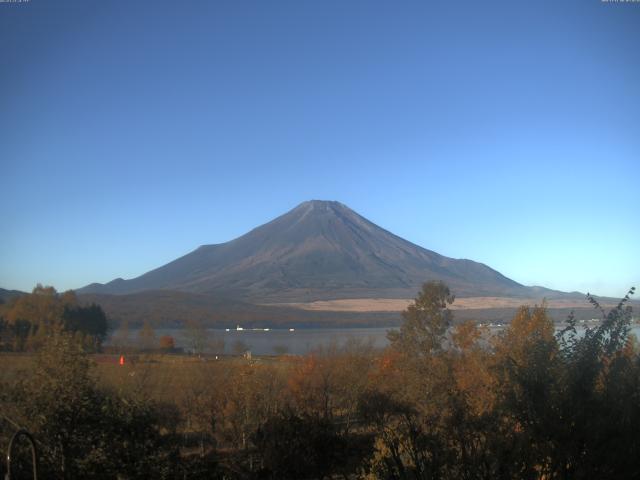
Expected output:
{"points": [[319, 250]]}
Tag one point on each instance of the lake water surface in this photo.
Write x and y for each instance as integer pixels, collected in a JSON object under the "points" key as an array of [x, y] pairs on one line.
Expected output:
{"points": [[297, 342]]}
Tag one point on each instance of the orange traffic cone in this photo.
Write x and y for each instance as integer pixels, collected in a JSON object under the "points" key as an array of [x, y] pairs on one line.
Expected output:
{"points": [[121, 359]]}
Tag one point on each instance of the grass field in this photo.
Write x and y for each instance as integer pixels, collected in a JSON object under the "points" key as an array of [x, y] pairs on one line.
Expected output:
{"points": [[468, 303], [161, 377]]}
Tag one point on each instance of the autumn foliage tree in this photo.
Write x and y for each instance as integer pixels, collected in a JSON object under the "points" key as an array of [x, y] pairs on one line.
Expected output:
{"points": [[529, 402], [85, 431], [167, 343], [444, 400], [426, 321], [27, 320]]}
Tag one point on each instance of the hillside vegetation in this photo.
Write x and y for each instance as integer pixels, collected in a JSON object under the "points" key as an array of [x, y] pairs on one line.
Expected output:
{"points": [[527, 404]]}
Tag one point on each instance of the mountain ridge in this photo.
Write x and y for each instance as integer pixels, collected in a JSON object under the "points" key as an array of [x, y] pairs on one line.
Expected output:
{"points": [[318, 250]]}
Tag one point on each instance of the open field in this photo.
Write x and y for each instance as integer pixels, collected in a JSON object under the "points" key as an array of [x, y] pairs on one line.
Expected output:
{"points": [[161, 377], [397, 305]]}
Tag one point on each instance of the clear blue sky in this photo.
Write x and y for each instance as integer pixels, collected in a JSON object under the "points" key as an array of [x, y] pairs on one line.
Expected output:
{"points": [[506, 132]]}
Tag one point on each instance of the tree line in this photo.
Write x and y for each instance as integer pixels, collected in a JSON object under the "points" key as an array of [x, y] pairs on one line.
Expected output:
{"points": [[443, 401], [27, 321]]}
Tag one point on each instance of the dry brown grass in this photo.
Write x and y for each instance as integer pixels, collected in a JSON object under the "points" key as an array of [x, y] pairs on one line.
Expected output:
{"points": [[161, 377], [397, 305]]}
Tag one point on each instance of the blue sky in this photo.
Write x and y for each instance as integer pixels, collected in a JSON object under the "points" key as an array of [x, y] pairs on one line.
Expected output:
{"points": [[506, 132]]}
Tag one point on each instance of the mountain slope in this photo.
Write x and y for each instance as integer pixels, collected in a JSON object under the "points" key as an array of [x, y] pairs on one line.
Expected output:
{"points": [[318, 250], [6, 295]]}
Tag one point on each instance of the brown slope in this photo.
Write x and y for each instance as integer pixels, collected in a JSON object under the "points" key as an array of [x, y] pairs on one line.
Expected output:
{"points": [[166, 308]]}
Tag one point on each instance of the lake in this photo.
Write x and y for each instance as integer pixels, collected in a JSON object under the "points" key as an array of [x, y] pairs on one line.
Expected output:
{"points": [[260, 342]]}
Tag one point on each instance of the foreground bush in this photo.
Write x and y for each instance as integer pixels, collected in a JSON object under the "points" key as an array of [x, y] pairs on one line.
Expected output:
{"points": [[84, 431]]}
